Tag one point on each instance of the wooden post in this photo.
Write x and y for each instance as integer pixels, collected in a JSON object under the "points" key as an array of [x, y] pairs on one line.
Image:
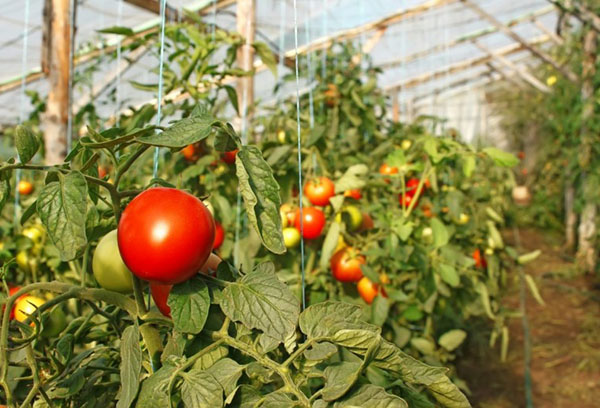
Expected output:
{"points": [[55, 118], [246, 25], [586, 253], [395, 107]]}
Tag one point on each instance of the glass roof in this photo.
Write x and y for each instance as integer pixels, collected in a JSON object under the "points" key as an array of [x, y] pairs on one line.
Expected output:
{"points": [[421, 43]]}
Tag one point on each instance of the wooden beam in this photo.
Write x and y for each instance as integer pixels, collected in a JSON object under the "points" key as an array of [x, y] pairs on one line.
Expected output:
{"points": [[246, 26], [153, 6], [55, 118], [506, 76], [553, 36], [463, 39], [461, 66], [522, 72], [516, 37], [370, 44], [395, 107]]}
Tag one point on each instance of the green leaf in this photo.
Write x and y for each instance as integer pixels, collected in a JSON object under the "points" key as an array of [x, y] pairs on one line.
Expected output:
{"points": [[117, 30], [246, 397], [154, 389], [320, 351], [189, 302], [227, 372], [278, 399], [440, 233], [534, 289], [425, 346], [403, 229], [449, 275], [261, 197], [353, 178], [380, 310], [227, 139], [501, 157], [62, 206], [448, 394], [131, 366], [260, 301], [371, 396], [182, 133], [468, 165], [26, 142], [4, 193], [452, 339], [397, 158], [233, 97], [339, 378], [430, 147], [323, 319], [200, 390], [329, 244], [485, 298], [267, 56]]}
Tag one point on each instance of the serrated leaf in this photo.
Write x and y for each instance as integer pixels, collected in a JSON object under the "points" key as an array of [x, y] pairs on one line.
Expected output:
{"points": [[339, 378], [320, 351], [154, 389], [227, 372], [62, 206], [261, 197], [371, 396], [233, 97], [26, 142], [425, 346], [189, 302], [329, 244], [131, 366], [323, 319], [278, 399], [452, 339], [246, 396], [261, 301], [440, 233], [200, 390], [182, 133], [501, 157], [449, 275], [117, 30], [352, 179]]}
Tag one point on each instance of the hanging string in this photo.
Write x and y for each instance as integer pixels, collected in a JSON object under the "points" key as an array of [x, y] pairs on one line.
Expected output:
{"points": [[324, 53], [281, 51], [163, 6], [303, 278], [214, 19], [309, 67], [71, 74], [22, 104], [118, 87]]}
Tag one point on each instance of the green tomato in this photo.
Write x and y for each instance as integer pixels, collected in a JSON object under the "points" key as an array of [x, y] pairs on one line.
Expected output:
{"points": [[23, 261], [351, 216], [281, 136], [284, 219], [55, 323], [35, 233], [406, 144], [291, 237], [109, 270]]}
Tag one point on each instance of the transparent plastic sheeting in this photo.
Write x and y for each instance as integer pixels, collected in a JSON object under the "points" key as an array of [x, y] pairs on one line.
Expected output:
{"points": [[431, 30]]}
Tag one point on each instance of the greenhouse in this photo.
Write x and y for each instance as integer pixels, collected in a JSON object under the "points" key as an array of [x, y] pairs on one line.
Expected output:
{"points": [[300, 203]]}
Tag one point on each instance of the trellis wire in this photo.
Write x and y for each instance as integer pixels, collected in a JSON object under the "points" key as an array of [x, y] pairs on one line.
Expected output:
{"points": [[22, 104], [303, 282], [118, 85], [281, 51], [72, 5], [163, 6], [324, 52], [309, 68]]}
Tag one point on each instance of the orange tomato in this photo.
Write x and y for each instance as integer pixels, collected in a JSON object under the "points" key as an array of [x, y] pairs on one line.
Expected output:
{"points": [[25, 187], [319, 191], [480, 261], [367, 222], [27, 305], [367, 289], [191, 153], [387, 170], [353, 194]]}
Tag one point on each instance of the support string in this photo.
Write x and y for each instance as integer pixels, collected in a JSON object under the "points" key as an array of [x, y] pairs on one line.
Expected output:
{"points": [[118, 86], [309, 67], [72, 6], [281, 51], [22, 104], [299, 158], [163, 6]]}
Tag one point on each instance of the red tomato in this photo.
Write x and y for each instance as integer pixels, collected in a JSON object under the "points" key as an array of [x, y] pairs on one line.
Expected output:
{"points": [[25, 187], [387, 170], [407, 200], [319, 191], [345, 265], [313, 222], [191, 153], [219, 235], [411, 186], [165, 235], [367, 222], [521, 155], [160, 293], [480, 261], [229, 157], [12, 291], [102, 172], [368, 290], [353, 194]]}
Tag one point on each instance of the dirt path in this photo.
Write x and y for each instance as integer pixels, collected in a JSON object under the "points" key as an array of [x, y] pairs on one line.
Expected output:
{"points": [[565, 340]]}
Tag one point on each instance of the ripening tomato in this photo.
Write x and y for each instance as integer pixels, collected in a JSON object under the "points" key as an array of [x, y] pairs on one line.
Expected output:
{"points": [[480, 261], [426, 208], [27, 305], [313, 222], [407, 200], [351, 216], [12, 291], [219, 235], [367, 289], [165, 235], [331, 95], [102, 171], [353, 194], [35, 233], [288, 215], [319, 191], [108, 267], [229, 157], [160, 293], [411, 186], [345, 265], [191, 153], [25, 187], [291, 237], [367, 222], [521, 155], [387, 170]]}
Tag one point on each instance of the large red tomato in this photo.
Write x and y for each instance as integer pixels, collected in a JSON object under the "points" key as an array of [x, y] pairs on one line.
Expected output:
{"points": [[345, 265], [313, 222], [229, 157], [219, 235], [407, 200], [411, 186], [160, 293], [165, 235], [479, 259], [319, 191]]}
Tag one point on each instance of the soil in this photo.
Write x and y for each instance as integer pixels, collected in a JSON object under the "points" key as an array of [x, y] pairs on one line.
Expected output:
{"points": [[565, 338]]}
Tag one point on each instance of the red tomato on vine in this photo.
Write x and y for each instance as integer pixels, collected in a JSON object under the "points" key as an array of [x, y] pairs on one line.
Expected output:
{"points": [[369, 290], [387, 170], [345, 265], [313, 222], [219, 235], [229, 157], [479, 259], [319, 191], [165, 235], [353, 194]]}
